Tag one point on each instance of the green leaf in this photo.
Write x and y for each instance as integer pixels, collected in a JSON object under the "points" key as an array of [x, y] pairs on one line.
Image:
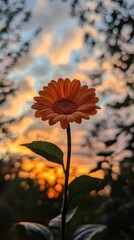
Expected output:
{"points": [[82, 185], [56, 222], [47, 150], [87, 232], [32, 231]]}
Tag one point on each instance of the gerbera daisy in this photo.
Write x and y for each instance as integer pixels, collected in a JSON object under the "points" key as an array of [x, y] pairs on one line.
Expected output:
{"points": [[65, 101]]}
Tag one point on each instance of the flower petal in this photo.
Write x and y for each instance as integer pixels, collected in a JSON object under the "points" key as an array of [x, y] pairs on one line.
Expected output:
{"points": [[42, 101], [52, 115], [64, 123], [54, 85], [84, 90], [44, 117], [86, 106], [81, 115], [85, 97], [46, 111], [78, 120], [46, 95], [70, 118], [37, 114], [37, 106], [67, 87], [61, 87], [59, 118], [74, 88], [93, 112], [51, 122], [73, 118]]}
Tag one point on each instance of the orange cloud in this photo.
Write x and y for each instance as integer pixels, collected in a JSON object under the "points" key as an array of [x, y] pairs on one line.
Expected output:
{"points": [[59, 53], [16, 104]]}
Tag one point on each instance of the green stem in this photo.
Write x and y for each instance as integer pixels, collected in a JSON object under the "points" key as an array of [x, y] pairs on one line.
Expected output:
{"points": [[65, 191]]}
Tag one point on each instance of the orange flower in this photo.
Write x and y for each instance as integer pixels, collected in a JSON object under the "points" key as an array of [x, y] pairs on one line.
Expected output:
{"points": [[65, 101]]}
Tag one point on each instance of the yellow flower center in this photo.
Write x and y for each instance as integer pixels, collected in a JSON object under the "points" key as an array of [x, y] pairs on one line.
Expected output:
{"points": [[64, 106]]}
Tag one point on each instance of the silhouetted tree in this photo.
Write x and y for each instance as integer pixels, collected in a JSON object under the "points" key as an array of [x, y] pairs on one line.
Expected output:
{"points": [[13, 16], [109, 39]]}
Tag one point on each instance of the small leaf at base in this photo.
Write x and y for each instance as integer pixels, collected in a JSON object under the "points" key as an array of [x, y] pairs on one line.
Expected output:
{"points": [[56, 222], [33, 231], [87, 232]]}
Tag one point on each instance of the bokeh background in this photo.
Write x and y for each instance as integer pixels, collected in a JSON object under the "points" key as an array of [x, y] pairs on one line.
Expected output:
{"points": [[92, 41]]}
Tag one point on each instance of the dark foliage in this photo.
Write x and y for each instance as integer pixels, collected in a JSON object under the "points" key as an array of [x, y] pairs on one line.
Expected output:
{"points": [[21, 199]]}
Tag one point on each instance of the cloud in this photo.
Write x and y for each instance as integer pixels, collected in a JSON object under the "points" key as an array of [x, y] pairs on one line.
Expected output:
{"points": [[48, 14], [60, 40], [16, 105]]}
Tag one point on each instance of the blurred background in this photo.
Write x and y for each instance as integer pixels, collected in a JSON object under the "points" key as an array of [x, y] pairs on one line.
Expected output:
{"points": [[92, 41]]}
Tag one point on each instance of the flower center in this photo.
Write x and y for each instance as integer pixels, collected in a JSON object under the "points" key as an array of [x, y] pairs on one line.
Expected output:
{"points": [[64, 106]]}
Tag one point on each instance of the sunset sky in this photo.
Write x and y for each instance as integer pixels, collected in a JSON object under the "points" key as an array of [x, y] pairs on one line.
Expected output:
{"points": [[54, 53]]}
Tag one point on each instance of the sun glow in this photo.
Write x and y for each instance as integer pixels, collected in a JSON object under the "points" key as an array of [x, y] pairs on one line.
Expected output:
{"points": [[50, 179]]}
